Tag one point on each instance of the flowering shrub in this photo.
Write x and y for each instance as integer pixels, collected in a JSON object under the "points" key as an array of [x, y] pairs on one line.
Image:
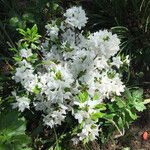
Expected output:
{"points": [[69, 73]]}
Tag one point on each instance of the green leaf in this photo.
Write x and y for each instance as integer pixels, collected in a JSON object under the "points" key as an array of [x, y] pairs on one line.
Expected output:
{"points": [[96, 96], [14, 21], [128, 94], [30, 36], [137, 94], [28, 17], [57, 147], [28, 31], [132, 115], [83, 96], [17, 59], [36, 90], [22, 32], [101, 106], [34, 29], [9, 121], [109, 116], [12, 132], [97, 115], [33, 46], [139, 106], [111, 106], [120, 122], [120, 103]]}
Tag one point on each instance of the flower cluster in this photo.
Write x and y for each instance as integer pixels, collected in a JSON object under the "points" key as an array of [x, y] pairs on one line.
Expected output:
{"points": [[74, 74]]}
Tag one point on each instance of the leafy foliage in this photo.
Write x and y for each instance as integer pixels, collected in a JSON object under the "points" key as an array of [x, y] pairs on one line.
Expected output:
{"points": [[12, 132], [122, 112]]}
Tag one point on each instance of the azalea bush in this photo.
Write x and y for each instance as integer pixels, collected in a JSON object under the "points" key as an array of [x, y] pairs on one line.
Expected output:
{"points": [[69, 83]]}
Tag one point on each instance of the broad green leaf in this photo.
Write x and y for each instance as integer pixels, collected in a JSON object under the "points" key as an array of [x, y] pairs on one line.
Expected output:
{"points": [[111, 108], [9, 121], [128, 94], [97, 115], [137, 94], [120, 102], [139, 106], [12, 132]]}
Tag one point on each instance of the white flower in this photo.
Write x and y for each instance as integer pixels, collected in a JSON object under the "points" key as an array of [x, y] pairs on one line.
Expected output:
{"points": [[52, 55], [76, 17], [25, 75], [40, 106], [22, 103], [54, 83], [25, 53], [25, 64], [75, 141], [80, 115], [68, 39], [89, 132], [101, 63], [127, 60], [55, 117], [117, 61], [104, 43], [52, 31], [109, 86]]}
